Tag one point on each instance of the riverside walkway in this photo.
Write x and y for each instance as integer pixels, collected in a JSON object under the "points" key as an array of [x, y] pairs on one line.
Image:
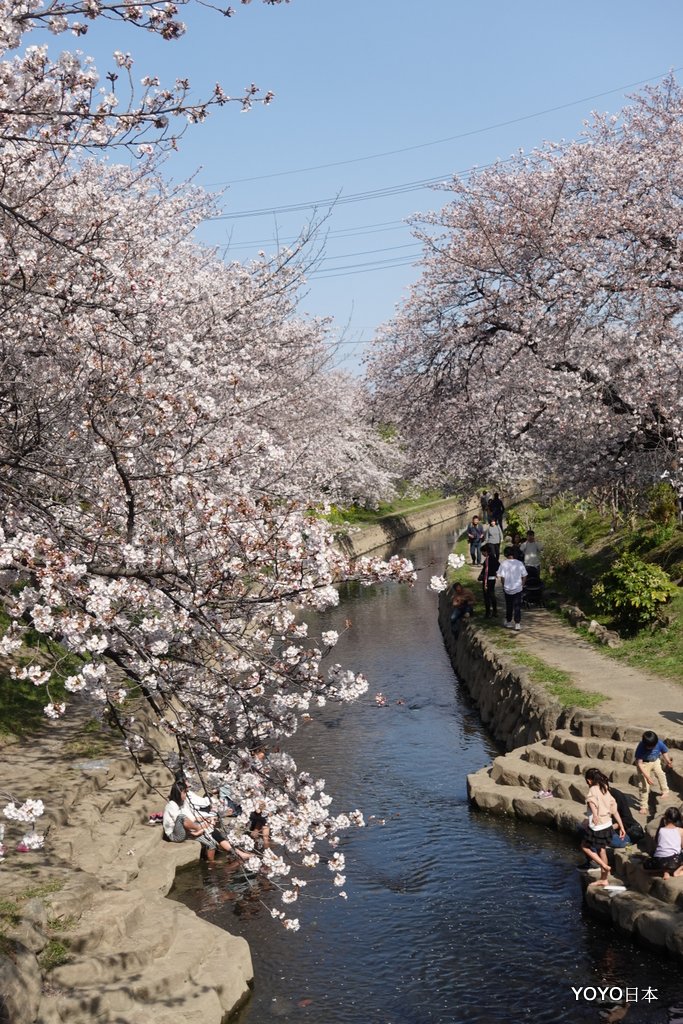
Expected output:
{"points": [[631, 695]]}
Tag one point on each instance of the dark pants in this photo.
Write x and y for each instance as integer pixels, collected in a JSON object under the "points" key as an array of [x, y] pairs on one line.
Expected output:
{"points": [[475, 551], [513, 606], [490, 601], [459, 613]]}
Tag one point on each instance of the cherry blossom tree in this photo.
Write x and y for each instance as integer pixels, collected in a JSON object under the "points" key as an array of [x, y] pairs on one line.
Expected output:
{"points": [[544, 335], [168, 431]]}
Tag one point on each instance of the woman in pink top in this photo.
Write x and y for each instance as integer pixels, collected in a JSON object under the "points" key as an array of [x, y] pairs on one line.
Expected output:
{"points": [[602, 811]]}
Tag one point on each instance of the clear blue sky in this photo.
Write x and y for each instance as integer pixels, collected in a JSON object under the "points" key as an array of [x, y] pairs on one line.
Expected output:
{"points": [[354, 78]]}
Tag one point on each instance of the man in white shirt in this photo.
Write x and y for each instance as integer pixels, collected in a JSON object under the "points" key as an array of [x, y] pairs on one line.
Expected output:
{"points": [[513, 575]]}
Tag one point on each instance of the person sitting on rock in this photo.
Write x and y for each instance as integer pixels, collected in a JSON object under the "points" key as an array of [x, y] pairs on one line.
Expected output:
{"points": [[668, 855], [462, 602], [180, 824], [602, 812]]}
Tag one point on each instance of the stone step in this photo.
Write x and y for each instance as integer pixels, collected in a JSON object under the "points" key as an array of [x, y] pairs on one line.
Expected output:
{"points": [[518, 801], [589, 724], [629, 867], [513, 770], [619, 773], [655, 922], [593, 747]]}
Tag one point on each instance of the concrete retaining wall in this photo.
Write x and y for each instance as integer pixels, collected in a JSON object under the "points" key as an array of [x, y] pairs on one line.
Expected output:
{"points": [[396, 527], [514, 710]]}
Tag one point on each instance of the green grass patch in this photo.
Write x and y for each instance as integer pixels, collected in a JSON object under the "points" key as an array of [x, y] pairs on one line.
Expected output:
{"points": [[357, 515], [585, 544], [54, 955], [37, 892], [22, 703], [556, 681], [11, 909], [62, 924], [571, 697]]}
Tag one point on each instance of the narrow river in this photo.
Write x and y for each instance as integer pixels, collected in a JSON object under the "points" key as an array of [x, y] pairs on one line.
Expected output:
{"points": [[453, 916]]}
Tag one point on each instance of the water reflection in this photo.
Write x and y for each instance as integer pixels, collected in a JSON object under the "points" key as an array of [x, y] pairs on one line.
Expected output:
{"points": [[452, 916]]}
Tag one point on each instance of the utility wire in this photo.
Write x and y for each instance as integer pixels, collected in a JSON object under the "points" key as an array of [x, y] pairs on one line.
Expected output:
{"points": [[362, 229], [356, 197], [448, 138]]}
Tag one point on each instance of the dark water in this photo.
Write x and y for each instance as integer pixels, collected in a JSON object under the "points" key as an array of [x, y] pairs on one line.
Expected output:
{"points": [[452, 916]]}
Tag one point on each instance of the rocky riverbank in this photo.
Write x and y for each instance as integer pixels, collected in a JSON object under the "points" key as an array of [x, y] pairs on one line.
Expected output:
{"points": [[87, 933]]}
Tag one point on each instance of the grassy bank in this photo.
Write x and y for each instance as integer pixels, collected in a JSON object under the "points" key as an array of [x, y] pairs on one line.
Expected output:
{"points": [[555, 681], [356, 515], [581, 542]]}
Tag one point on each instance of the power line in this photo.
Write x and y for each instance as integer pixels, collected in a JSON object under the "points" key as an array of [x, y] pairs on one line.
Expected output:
{"points": [[363, 229], [361, 268], [356, 197], [368, 252], [448, 138]]}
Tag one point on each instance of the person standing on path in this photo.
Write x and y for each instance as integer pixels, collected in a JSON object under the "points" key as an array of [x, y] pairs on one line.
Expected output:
{"points": [[475, 535], [497, 509], [531, 550], [487, 577], [494, 536], [650, 753], [484, 505], [513, 574]]}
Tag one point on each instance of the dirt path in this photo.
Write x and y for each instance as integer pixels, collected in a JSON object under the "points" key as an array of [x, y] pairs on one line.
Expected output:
{"points": [[633, 696]]}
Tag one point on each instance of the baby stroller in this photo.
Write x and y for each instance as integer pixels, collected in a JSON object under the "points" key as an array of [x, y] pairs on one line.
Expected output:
{"points": [[534, 587]]}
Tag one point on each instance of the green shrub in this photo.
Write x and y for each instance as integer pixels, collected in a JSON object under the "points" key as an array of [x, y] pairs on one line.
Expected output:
{"points": [[513, 523], [633, 592], [559, 548], [662, 504]]}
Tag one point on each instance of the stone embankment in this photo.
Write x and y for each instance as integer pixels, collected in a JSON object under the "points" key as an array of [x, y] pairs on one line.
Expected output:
{"points": [[549, 749], [359, 541], [130, 955]]}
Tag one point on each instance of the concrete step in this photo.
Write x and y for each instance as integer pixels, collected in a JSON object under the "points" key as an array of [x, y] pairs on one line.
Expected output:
{"points": [[593, 747], [628, 865], [518, 801], [619, 773], [514, 770]]}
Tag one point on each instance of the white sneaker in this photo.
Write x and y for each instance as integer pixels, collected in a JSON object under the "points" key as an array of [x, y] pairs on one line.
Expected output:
{"points": [[508, 625], [517, 627]]}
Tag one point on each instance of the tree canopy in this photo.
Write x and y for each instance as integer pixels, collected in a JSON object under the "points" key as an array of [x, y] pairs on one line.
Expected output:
{"points": [[544, 334]]}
